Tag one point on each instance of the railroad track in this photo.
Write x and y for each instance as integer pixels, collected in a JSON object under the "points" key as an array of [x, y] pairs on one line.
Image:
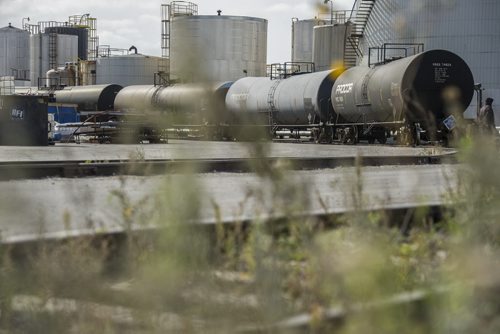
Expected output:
{"points": [[72, 169], [49, 206]]}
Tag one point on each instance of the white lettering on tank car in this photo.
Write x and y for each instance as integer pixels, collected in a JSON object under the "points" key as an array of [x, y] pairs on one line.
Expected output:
{"points": [[239, 97], [344, 89], [394, 89]]}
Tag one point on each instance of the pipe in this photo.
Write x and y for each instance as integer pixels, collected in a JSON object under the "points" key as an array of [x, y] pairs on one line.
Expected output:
{"points": [[133, 48]]}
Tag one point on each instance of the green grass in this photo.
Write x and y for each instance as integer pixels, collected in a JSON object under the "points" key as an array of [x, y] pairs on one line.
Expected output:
{"points": [[279, 268]]}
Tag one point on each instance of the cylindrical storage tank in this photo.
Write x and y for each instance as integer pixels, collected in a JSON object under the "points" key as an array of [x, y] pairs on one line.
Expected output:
{"points": [[66, 50], [53, 78], [329, 46], [14, 53], [81, 33], [137, 99], [128, 70], [302, 39], [68, 76], [88, 72], [89, 98], [298, 100], [217, 48], [467, 28], [412, 89]]}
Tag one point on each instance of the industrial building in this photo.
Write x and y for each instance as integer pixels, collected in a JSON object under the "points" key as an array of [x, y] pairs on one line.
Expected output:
{"points": [[54, 44], [468, 28]]}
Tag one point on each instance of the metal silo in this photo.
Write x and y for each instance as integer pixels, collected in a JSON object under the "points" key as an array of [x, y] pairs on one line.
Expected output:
{"points": [[329, 46], [81, 33], [127, 70], [302, 39], [467, 28], [50, 51], [14, 53], [217, 48]]}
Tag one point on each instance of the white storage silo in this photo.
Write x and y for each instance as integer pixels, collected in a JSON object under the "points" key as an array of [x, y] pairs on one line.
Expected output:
{"points": [[217, 48], [467, 28], [127, 70], [63, 48], [14, 53], [329, 46], [302, 39]]}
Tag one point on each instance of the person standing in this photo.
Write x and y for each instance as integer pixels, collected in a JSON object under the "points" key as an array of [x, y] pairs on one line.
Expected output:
{"points": [[486, 117]]}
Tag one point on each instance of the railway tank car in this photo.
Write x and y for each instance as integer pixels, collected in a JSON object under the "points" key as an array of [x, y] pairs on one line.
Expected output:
{"points": [[89, 98], [408, 98], [295, 101], [420, 93], [206, 103]]}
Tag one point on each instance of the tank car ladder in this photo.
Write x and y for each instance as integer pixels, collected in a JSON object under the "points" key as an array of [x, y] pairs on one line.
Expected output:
{"points": [[272, 107], [53, 51]]}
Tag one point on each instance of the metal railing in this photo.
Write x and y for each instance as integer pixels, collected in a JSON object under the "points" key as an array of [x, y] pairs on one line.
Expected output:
{"points": [[285, 70], [107, 51], [393, 51]]}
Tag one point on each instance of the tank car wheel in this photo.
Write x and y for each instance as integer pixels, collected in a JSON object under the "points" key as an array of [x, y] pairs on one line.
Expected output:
{"points": [[351, 135], [406, 136], [382, 139]]}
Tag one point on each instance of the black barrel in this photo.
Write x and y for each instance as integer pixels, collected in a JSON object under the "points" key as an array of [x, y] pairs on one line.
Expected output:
{"points": [[23, 120]]}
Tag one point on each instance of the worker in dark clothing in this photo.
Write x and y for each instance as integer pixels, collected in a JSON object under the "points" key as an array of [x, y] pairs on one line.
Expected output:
{"points": [[486, 117]]}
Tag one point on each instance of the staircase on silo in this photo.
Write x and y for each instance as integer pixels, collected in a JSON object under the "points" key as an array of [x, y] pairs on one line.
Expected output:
{"points": [[362, 10]]}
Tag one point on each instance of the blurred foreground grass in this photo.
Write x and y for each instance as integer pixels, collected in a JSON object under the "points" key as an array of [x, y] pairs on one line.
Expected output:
{"points": [[183, 278]]}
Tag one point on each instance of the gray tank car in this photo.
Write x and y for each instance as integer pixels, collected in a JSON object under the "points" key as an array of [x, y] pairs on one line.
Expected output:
{"points": [[89, 98], [298, 100], [202, 100], [427, 90], [425, 94]]}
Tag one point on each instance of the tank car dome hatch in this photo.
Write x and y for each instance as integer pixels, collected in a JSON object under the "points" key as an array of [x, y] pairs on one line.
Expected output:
{"points": [[412, 89]]}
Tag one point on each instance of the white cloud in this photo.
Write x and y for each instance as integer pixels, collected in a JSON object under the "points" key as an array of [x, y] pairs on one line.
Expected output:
{"points": [[278, 8]]}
